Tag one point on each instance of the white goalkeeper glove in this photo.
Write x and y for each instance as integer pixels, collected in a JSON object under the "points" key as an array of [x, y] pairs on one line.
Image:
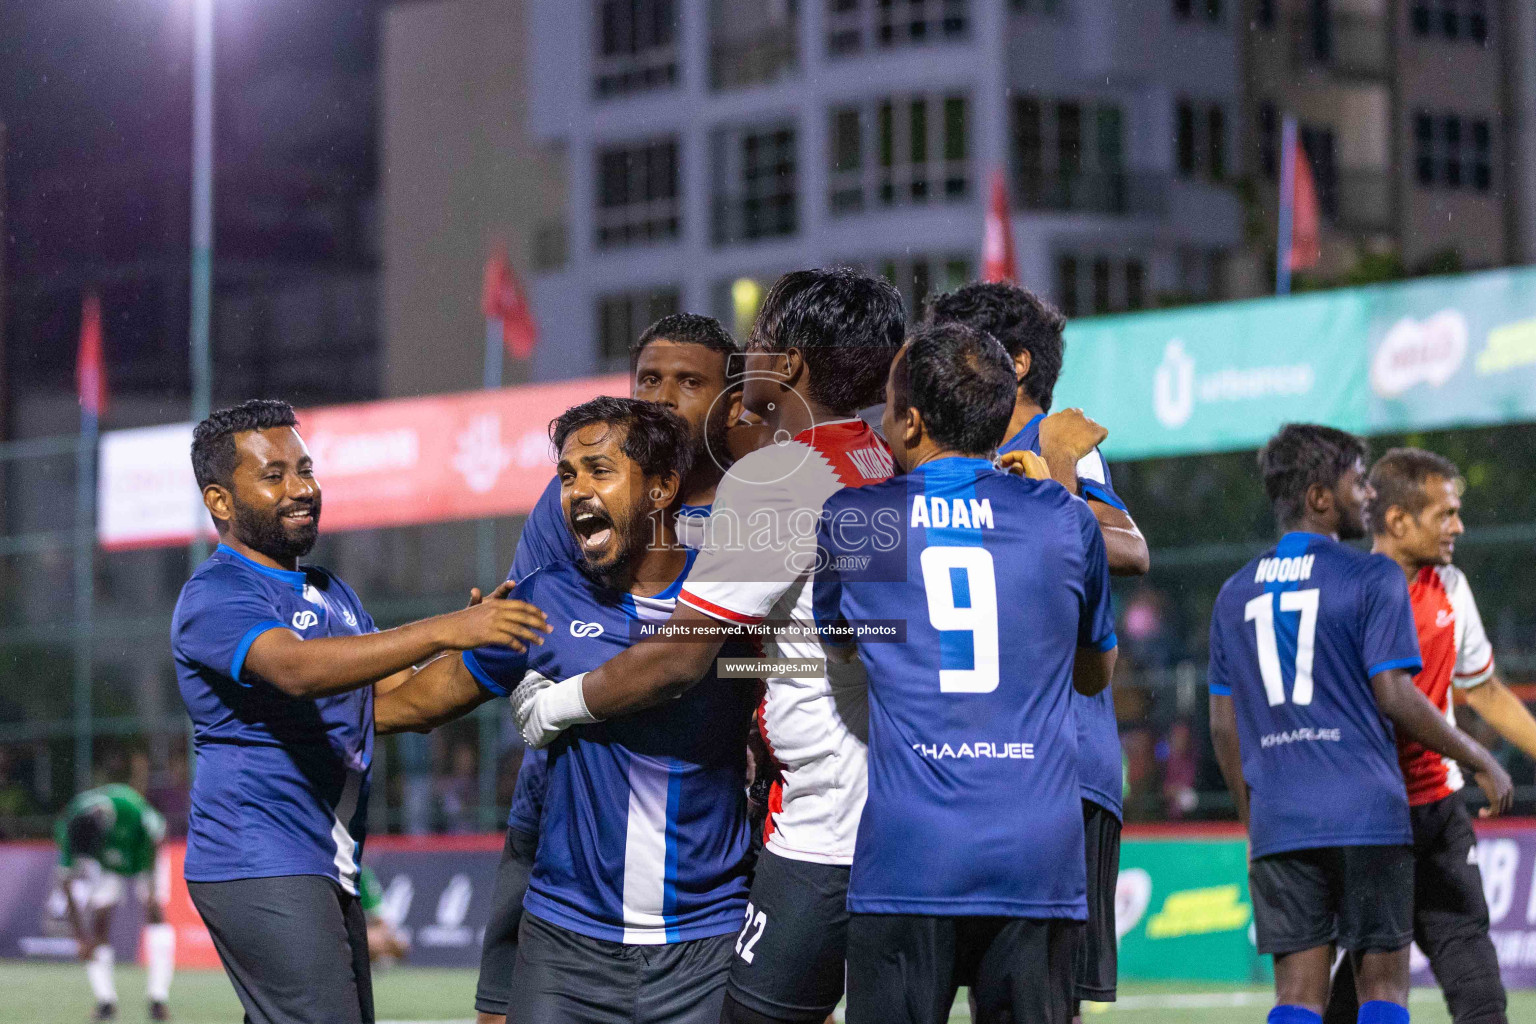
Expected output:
{"points": [[543, 708]]}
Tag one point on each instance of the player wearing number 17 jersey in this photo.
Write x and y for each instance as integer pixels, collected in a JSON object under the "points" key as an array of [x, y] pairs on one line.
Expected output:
{"points": [[1003, 586], [1313, 649]]}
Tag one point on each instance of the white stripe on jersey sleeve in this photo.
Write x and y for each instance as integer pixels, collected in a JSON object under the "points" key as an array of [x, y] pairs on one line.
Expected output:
{"points": [[645, 852], [1474, 652], [1091, 467]]}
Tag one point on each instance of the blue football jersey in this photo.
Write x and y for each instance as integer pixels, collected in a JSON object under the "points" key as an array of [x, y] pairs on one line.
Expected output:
{"points": [[281, 786], [1296, 636], [643, 830], [545, 540], [974, 805], [1098, 734]]}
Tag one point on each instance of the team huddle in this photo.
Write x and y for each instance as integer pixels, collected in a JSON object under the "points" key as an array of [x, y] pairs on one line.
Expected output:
{"points": [[815, 710]]}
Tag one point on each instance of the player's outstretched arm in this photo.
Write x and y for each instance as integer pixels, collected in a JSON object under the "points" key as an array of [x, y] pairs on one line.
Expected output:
{"points": [[1419, 720], [652, 671], [656, 669], [1508, 715], [1229, 755], [435, 695], [1123, 542], [336, 664], [1092, 669]]}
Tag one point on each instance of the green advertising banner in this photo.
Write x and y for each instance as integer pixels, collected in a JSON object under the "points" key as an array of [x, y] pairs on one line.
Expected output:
{"points": [[1183, 912], [1434, 353]]}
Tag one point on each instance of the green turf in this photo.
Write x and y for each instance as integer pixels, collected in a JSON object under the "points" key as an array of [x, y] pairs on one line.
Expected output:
{"points": [[53, 993]]}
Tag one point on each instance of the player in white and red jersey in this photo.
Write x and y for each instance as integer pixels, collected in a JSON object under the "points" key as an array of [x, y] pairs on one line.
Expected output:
{"points": [[1415, 520], [819, 352]]}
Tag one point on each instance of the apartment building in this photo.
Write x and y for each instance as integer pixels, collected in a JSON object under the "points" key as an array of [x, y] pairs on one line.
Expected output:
{"points": [[1415, 115], [703, 148]]}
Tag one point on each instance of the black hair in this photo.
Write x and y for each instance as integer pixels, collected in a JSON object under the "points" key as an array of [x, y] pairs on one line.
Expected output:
{"points": [[1300, 456], [687, 329], [962, 381], [655, 437], [213, 441], [87, 832], [1018, 318], [847, 326], [1399, 477]]}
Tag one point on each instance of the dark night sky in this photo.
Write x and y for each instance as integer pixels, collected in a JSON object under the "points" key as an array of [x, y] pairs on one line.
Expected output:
{"points": [[96, 99]]}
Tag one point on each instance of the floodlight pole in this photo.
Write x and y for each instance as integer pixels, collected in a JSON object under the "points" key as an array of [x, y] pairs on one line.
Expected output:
{"points": [[201, 354]]}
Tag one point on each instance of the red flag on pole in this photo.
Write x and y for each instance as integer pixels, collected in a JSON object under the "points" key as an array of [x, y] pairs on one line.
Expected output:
{"points": [[1306, 218], [501, 298], [997, 263], [90, 369]]}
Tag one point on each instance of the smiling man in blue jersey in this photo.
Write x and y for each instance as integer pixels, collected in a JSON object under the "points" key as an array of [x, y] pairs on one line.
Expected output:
{"points": [[1313, 653], [278, 665], [1030, 329], [973, 711], [639, 882], [681, 362]]}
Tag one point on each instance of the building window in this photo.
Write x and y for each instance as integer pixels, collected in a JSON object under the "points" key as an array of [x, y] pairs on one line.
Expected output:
{"points": [[1318, 143], [858, 26], [752, 42], [1189, 10], [1070, 155], [622, 318], [1452, 152], [754, 175], [1184, 139], [1269, 140], [902, 151], [1200, 140], [921, 276], [1451, 19], [1066, 284], [1264, 14], [636, 46], [1093, 285], [637, 194]]}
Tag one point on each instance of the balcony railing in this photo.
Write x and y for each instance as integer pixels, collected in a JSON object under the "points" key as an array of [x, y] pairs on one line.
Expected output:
{"points": [[932, 182], [1120, 193], [1352, 45], [749, 218]]}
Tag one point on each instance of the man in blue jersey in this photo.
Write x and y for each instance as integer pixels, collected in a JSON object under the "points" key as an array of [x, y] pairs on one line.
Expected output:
{"points": [[681, 362], [820, 348], [639, 882], [1030, 329], [972, 711], [278, 665], [1313, 653]]}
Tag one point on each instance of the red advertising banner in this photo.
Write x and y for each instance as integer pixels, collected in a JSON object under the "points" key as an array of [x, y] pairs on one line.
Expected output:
{"points": [[392, 463], [425, 460]]}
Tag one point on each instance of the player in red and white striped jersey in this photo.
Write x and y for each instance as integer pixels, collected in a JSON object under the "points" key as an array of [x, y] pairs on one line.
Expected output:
{"points": [[820, 351], [1415, 520]]}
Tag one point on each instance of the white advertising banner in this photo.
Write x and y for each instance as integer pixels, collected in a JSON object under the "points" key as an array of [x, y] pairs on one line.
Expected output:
{"points": [[146, 495]]}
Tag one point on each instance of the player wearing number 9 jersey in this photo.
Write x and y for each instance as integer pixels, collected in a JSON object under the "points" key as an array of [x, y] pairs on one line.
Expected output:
{"points": [[1003, 586], [1313, 649]]}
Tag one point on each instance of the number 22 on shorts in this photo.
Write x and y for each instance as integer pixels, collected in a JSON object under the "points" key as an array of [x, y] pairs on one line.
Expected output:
{"points": [[757, 922]]}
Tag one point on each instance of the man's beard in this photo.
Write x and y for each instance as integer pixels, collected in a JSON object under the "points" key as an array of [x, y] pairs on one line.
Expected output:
{"points": [[1352, 525], [618, 574], [712, 446], [264, 530]]}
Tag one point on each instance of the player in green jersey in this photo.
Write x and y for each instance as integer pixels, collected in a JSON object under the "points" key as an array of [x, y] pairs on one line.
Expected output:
{"points": [[107, 837]]}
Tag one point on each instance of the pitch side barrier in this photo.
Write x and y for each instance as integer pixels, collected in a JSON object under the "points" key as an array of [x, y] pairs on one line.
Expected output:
{"points": [[1182, 902]]}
